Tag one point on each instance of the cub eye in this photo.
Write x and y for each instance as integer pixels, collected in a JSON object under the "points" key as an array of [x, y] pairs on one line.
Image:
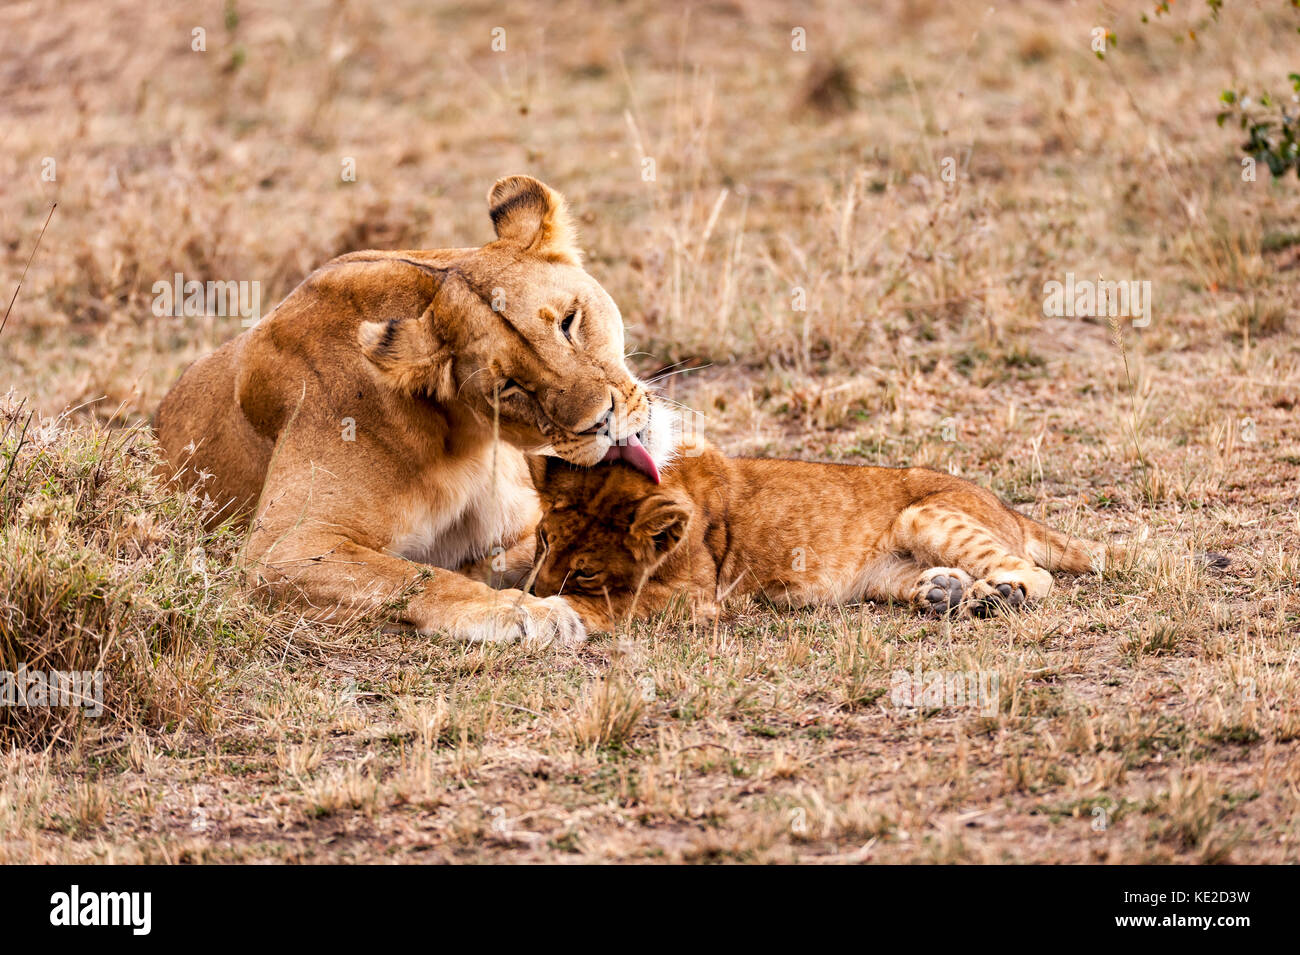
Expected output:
{"points": [[511, 387], [566, 325]]}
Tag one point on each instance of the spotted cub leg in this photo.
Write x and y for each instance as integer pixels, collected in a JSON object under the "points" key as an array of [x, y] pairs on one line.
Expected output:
{"points": [[903, 580], [963, 530]]}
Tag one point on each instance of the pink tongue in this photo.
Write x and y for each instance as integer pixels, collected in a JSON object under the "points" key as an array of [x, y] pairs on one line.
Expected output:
{"points": [[635, 454]]}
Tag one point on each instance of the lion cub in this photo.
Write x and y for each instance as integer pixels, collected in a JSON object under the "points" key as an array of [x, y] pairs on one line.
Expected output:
{"points": [[613, 542]]}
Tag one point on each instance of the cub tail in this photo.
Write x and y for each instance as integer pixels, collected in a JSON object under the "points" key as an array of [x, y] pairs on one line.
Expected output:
{"points": [[1055, 551], [1052, 550]]}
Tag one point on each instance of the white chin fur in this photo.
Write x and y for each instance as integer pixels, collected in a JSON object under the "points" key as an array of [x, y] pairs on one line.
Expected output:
{"points": [[662, 436]]}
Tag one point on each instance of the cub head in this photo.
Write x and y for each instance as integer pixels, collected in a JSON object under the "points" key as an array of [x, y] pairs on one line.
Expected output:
{"points": [[522, 335], [604, 530]]}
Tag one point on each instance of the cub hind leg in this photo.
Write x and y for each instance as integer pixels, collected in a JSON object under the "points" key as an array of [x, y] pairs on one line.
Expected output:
{"points": [[942, 590], [969, 529], [904, 580]]}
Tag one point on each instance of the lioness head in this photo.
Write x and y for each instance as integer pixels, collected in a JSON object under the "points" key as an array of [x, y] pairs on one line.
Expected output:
{"points": [[605, 530], [520, 333]]}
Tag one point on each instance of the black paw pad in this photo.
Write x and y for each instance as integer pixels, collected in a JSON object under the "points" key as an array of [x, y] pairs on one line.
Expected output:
{"points": [[1004, 597], [945, 593]]}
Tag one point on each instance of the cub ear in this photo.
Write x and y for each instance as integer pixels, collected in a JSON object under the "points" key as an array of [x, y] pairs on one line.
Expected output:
{"points": [[659, 527], [408, 355], [556, 481], [531, 215]]}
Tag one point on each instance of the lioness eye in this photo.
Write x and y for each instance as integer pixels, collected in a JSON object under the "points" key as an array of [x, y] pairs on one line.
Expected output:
{"points": [[510, 387], [566, 325]]}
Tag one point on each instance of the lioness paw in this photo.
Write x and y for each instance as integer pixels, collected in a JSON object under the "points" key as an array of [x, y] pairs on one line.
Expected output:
{"points": [[514, 616], [561, 624]]}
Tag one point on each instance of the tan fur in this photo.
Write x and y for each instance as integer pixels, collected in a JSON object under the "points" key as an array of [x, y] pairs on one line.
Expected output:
{"points": [[431, 355], [796, 532]]}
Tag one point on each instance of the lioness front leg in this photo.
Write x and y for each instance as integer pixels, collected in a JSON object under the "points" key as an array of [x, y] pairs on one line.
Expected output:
{"points": [[337, 577]]}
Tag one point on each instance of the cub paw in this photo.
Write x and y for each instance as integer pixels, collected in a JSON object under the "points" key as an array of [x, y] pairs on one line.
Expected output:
{"points": [[988, 598], [941, 590]]}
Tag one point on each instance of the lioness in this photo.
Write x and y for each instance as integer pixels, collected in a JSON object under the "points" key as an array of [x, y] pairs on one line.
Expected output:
{"points": [[357, 423], [794, 531]]}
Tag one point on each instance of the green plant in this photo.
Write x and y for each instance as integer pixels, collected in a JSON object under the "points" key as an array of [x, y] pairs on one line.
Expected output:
{"points": [[1271, 129], [1273, 133]]}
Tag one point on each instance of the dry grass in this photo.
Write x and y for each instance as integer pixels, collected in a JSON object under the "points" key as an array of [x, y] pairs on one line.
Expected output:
{"points": [[1150, 715]]}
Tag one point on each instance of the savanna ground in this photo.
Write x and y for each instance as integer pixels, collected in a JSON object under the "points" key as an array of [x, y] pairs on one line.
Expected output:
{"points": [[1148, 715]]}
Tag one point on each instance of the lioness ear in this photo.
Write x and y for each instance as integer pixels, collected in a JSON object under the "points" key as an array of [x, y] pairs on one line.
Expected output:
{"points": [[659, 527], [531, 215], [408, 355]]}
